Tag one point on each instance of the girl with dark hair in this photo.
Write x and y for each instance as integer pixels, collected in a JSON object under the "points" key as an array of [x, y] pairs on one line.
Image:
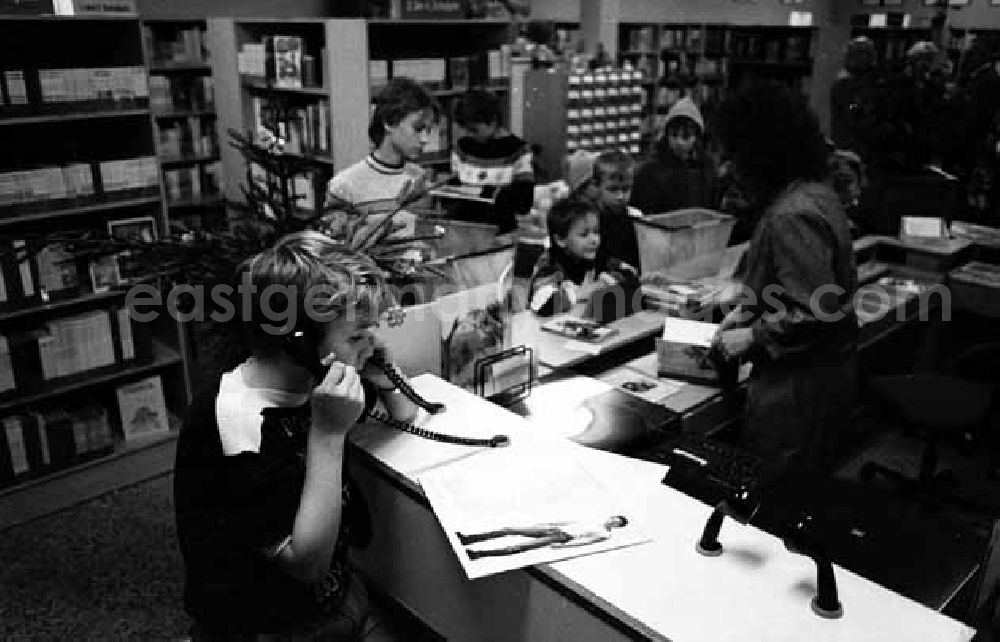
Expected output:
{"points": [[571, 268], [796, 322], [403, 115]]}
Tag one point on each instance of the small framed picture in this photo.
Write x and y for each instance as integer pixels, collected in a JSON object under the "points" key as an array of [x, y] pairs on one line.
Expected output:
{"points": [[141, 228], [104, 274]]}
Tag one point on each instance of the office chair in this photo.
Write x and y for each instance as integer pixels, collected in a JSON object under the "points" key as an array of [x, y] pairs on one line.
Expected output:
{"points": [[958, 403]]}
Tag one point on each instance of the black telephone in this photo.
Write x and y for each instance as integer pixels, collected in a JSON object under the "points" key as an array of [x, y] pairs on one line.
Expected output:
{"points": [[300, 345]]}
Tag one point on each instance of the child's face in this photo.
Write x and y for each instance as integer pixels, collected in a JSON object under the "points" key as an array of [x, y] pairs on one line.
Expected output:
{"points": [[616, 190], [351, 337], [411, 134], [583, 238], [682, 138], [482, 132]]}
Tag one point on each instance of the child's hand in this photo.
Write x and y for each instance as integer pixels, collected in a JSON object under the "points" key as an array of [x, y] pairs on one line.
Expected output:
{"points": [[338, 400], [373, 372]]}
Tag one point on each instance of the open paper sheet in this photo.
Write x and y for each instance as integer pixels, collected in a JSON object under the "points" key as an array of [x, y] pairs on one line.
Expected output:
{"points": [[524, 505]]}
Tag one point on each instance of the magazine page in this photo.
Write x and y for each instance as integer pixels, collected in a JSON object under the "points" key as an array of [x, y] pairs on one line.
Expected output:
{"points": [[525, 505]]}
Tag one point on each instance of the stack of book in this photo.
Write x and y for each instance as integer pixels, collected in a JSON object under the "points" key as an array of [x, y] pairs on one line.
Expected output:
{"points": [[40, 442], [186, 46], [46, 183], [93, 86]]}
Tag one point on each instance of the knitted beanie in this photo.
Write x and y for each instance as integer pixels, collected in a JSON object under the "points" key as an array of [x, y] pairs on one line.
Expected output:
{"points": [[685, 108]]}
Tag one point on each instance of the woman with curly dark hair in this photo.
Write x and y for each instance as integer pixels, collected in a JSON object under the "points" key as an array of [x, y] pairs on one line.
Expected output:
{"points": [[796, 321]]}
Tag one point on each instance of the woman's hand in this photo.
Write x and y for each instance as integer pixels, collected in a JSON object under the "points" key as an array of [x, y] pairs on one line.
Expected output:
{"points": [[338, 400], [733, 344], [733, 320]]}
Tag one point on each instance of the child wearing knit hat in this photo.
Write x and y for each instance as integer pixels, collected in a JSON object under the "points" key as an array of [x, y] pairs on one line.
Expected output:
{"points": [[680, 174]]}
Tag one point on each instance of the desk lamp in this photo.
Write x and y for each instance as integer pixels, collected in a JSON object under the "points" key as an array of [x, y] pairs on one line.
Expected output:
{"points": [[803, 538], [741, 506]]}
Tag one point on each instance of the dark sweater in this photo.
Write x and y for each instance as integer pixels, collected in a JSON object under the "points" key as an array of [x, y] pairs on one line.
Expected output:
{"points": [[666, 183], [502, 168], [556, 266]]}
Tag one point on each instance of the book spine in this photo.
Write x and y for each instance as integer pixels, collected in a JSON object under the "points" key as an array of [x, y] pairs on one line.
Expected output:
{"points": [[14, 432]]}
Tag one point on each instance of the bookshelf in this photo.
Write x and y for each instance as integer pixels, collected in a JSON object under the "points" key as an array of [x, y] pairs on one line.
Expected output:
{"points": [[79, 118], [349, 59], [448, 57], [705, 61], [182, 103]]}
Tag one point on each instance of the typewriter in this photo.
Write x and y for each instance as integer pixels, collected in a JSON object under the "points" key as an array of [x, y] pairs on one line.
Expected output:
{"points": [[707, 470]]}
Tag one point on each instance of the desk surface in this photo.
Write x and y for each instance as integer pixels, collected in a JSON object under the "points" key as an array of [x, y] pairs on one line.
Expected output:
{"points": [[664, 590]]}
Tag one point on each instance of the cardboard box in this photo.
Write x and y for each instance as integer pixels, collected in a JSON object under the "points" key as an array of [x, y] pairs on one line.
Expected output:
{"points": [[683, 351]]}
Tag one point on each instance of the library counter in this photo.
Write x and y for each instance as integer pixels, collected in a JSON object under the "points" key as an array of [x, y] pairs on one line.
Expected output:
{"points": [[662, 590]]}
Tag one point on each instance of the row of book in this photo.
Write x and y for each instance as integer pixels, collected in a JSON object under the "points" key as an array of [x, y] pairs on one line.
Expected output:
{"points": [[70, 345], [193, 183], [183, 46], [34, 443], [114, 86], [170, 93], [67, 7], [761, 48], [305, 130], [280, 60], [187, 137], [41, 442], [440, 73], [77, 180]]}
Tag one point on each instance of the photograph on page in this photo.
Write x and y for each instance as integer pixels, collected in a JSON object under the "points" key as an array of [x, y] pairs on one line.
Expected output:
{"points": [[508, 509]]}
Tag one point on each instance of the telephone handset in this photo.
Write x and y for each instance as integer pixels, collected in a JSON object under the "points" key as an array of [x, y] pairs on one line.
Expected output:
{"points": [[300, 346]]}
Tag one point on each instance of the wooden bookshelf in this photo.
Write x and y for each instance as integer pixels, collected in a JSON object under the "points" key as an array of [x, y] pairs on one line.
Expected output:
{"points": [[76, 300], [705, 62], [179, 59], [262, 86], [14, 215], [196, 159], [106, 136], [67, 116], [163, 357]]}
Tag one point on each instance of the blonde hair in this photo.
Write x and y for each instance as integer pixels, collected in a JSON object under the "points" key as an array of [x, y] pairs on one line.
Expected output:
{"points": [[315, 280]]}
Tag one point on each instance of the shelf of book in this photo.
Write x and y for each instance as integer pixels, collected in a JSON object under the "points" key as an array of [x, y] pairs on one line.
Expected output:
{"points": [[66, 116], [163, 357], [258, 85], [86, 159], [184, 161], [105, 17], [127, 463], [183, 113], [180, 67], [74, 300], [12, 215], [214, 200]]}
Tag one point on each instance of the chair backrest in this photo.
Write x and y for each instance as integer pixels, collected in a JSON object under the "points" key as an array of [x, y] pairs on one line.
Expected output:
{"points": [[985, 608]]}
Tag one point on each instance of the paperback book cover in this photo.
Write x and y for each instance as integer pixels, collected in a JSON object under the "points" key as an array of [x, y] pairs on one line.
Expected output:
{"points": [[142, 408], [579, 329]]}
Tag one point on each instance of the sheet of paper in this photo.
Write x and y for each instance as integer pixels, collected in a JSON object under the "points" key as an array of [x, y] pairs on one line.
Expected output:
{"points": [[696, 333], [651, 389], [524, 505]]}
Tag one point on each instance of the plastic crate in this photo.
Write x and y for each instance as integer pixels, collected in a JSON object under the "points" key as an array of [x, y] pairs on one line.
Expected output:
{"points": [[688, 243]]}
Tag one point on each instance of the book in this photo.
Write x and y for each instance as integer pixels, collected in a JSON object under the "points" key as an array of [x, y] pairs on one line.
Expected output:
{"points": [[287, 55], [142, 408], [16, 448], [579, 329]]}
